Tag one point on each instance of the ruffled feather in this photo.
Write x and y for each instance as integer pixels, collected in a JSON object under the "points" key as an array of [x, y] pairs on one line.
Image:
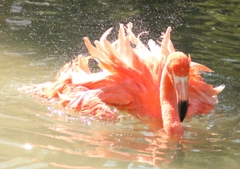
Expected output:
{"points": [[129, 80]]}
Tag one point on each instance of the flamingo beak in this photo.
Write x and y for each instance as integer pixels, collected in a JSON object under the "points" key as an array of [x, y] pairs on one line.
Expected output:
{"points": [[181, 87]]}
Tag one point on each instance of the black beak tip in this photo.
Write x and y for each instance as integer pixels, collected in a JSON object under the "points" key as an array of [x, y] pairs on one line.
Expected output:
{"points": [[182, 109]]}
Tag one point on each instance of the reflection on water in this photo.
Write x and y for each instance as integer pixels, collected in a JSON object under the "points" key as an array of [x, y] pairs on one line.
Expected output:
{"points": [[38, 37]]}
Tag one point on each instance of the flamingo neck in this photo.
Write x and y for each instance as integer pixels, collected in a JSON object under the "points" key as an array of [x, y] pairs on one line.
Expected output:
{"points": [[168, 100]]}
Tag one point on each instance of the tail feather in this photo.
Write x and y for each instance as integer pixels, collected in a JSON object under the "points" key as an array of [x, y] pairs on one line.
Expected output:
{"points": [[95, 52], [87, 102], [198, 68], [165, 51], [104, 36], [202, 96]]}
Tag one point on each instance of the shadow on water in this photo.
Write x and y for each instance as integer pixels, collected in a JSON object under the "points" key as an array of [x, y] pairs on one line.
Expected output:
{"points": [[38, 37]]}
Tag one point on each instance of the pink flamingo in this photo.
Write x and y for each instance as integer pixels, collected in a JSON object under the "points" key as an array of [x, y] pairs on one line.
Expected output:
{"points": [[154, 82]]}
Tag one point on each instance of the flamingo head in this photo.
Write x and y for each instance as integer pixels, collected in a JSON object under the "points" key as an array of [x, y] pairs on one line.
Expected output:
{"points": [[178, 69]]}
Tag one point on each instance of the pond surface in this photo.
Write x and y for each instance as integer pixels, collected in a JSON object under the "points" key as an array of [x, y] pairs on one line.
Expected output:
{"points": [[38, 36]]}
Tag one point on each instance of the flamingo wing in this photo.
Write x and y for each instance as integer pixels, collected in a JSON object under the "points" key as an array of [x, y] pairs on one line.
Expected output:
{"points": [[202, 96], [130, 79]]}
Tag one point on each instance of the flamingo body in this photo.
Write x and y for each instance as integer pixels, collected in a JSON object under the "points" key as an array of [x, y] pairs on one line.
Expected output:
{"points": [[153, 82]]}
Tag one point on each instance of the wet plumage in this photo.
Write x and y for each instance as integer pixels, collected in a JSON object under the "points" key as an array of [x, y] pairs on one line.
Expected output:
{"points": [[150, 81]]}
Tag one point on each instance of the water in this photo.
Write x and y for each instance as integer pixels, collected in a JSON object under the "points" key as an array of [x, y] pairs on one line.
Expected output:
{"points": [[37, 37]]}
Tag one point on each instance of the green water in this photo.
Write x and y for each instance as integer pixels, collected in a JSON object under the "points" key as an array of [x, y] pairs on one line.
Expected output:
{"points": [[38, 36]]}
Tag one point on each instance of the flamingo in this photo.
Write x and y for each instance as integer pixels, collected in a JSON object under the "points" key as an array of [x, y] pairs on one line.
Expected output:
{"points": [[152, 82]]}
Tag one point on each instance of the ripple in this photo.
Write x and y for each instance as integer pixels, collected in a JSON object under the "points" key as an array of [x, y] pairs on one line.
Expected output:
{"points": [[18, 21]]}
